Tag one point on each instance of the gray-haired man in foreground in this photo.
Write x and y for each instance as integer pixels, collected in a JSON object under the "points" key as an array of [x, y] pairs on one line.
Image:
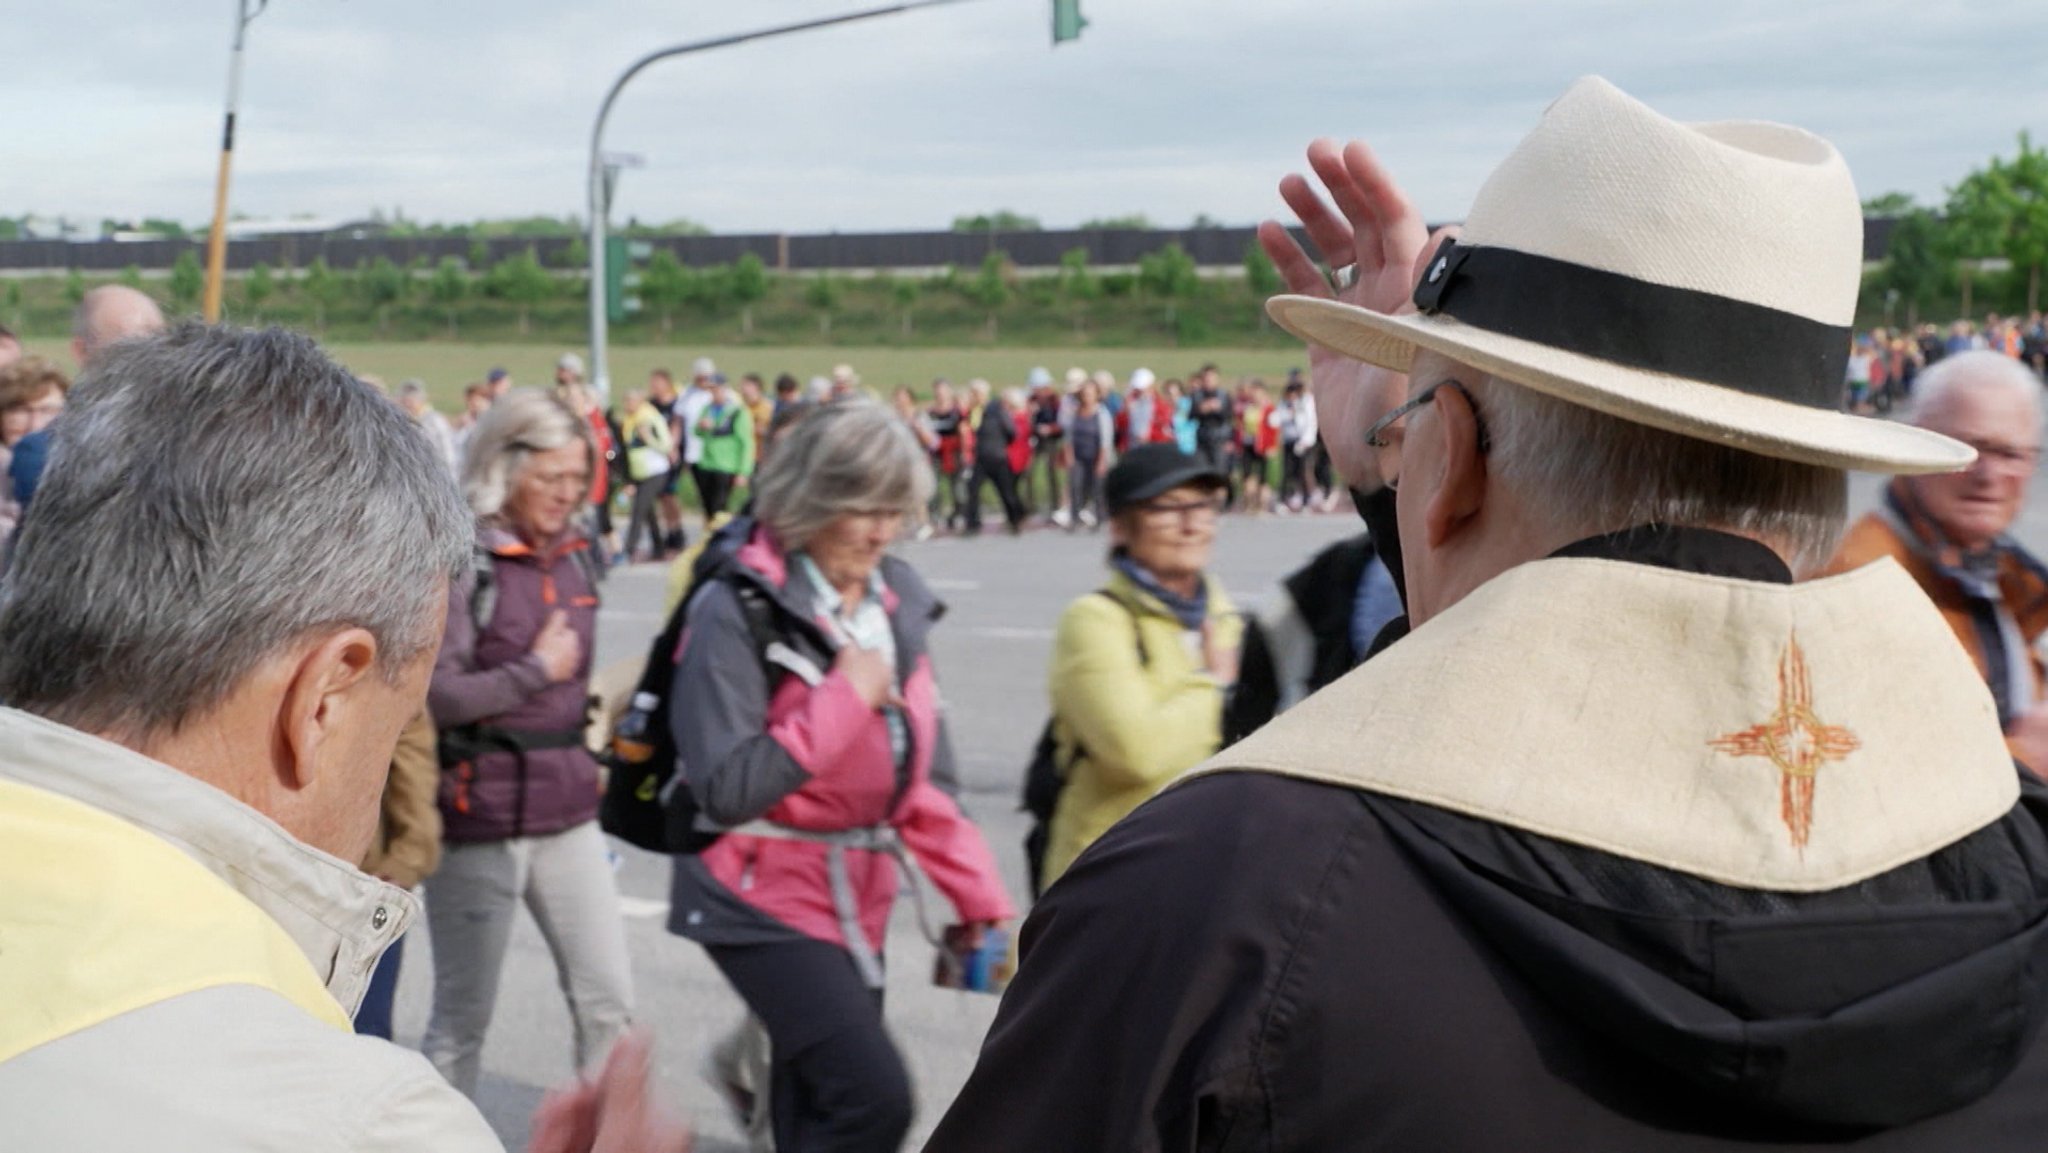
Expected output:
{"points": [[225, 605]]}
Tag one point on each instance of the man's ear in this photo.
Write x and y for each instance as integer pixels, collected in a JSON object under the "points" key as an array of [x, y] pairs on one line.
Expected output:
{"points": [[1460, 489], [317, 700]]}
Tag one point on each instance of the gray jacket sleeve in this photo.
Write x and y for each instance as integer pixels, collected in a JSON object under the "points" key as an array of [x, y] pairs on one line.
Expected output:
{"points": [[719, 715]]}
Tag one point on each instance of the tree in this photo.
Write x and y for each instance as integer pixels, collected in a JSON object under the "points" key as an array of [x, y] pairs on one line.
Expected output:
{"points": [[1889, 204], [905, 294], [450, 283], [1135, 220], [187, 281], [1204, 220], [323, 288], [1170, 275], [521, 280], [74, 286], [990, 287], [2002, 210], [1259, 274], [14, 302], [1001, 220], [575, 254], [1914, 266], [748, 286], [822, 293], [384, 284], [258, 287], [132, 277], [479, 256], [1078, 285], [667, 285]]}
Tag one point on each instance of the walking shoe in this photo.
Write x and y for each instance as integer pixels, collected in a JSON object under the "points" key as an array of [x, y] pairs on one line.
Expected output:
{"points": [[1088, 518], [925, 531], [1060, 518]]}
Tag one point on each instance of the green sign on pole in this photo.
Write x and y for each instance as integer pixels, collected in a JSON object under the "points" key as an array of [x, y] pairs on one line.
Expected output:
{"points": [[1067, 21], [622, 261]]}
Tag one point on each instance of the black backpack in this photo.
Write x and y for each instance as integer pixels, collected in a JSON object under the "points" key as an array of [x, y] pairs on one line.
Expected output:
{"points": [[1044, 780], [645, 802]]}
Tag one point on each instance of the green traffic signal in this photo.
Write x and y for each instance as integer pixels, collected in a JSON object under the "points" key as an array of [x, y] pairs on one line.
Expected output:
{"points": [[1067, 21]]}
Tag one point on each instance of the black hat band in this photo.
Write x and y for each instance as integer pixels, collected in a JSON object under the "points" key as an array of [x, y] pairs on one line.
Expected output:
{"points": [[1682, 332]]}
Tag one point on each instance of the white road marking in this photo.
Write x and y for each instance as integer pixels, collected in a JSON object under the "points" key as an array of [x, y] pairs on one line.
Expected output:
{"points": [[642, 907]]}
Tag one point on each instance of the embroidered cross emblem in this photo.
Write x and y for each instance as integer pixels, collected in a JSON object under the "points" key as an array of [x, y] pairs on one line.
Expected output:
{"points": [[1795, 740]]}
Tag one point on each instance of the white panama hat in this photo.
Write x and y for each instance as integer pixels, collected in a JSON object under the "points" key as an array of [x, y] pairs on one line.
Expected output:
{"points": [[1697, 278]]}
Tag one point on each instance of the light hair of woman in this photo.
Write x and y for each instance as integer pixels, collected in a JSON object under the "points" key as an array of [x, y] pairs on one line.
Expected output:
{"points": [[848, 457], [1586, 473], [524, 422], [215, 496]]}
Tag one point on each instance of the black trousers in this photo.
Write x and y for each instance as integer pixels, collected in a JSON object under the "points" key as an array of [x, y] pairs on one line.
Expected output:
{"points": [[715, 488], [996, 471], [836, 1083], [1293, 475]]}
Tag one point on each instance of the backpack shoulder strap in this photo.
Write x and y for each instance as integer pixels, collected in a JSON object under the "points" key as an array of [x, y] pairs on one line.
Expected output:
{"points": [[483, 592]]}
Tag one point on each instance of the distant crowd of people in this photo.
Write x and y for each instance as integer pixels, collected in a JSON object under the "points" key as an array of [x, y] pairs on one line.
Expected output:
{"points": [[1884, 363]]}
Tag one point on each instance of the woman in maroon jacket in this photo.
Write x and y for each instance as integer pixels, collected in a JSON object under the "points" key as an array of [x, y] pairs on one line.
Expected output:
{"points": [[519, 791]]}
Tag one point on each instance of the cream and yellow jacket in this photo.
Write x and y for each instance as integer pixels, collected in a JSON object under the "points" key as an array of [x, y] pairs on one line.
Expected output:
{"points": [[1132, 707], [177, 972]]}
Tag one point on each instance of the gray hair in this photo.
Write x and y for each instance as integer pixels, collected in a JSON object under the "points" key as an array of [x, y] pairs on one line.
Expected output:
{"points": [[112, 313], [1587, 473], [846, 457], [1976, 371], [523, 422], [411, 389], [215, 495]]}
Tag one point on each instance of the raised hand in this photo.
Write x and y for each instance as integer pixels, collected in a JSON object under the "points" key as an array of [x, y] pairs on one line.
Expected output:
{"points": [[1375, 232]]}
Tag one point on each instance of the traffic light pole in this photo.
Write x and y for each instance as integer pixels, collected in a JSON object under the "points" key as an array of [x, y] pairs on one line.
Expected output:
{"points": [[600, 187]]}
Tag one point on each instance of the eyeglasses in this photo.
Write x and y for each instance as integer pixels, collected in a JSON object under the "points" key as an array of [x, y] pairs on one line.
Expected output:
{"points": [[1377, 435], [1385, 433], [2006, 457], [1203, 511]]}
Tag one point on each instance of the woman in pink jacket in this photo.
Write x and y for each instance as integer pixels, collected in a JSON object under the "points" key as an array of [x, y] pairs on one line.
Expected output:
{"points": [[808, 730]]}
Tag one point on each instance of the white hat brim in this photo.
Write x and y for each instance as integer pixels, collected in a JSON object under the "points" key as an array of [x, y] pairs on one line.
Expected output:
{"points": [[1761, 425]]}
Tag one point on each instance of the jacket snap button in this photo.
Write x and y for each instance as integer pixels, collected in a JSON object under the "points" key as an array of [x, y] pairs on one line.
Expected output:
{"points": [[379, 918]]}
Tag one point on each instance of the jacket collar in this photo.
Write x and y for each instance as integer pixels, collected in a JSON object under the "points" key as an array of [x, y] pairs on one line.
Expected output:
{"points": [[500, 541], [341, 918], [1738, 730], [1694, 550]]}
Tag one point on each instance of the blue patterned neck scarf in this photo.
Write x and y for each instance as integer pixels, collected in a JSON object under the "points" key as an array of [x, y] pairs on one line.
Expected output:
{"points": [[1191, 612]]}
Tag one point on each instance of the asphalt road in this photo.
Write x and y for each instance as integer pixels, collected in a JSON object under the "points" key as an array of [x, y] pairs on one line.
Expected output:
{"points": [[1004, 595]]}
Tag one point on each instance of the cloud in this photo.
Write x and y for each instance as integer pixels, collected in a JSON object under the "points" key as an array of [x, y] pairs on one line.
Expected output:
{"points": [[455, 109]]}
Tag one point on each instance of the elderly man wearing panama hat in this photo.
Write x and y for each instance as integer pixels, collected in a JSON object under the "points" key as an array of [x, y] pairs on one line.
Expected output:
{"points": [[1632, 842]]}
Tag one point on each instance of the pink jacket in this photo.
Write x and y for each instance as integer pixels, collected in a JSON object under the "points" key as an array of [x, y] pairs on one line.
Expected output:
{"points": [[811, 755]]}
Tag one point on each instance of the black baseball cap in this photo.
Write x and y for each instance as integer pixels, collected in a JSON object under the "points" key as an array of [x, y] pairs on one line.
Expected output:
{"points": [[1151, 469]]}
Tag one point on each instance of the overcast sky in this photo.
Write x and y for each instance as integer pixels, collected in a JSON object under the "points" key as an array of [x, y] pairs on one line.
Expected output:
{"points": [[457, 109]]}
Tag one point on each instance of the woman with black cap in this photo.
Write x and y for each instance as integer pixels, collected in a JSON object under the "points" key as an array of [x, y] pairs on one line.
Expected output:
{"points": [[1140, 667]]}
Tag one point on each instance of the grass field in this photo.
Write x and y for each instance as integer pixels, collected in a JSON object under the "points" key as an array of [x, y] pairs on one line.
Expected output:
{"points": [[446, 367]]}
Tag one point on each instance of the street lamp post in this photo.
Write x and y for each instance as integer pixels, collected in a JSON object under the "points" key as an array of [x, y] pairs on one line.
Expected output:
{"points": [[600, 183], [246, 12]]}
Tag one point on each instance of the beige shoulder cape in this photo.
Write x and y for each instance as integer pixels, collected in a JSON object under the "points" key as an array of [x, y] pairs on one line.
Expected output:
{"points": [[1784, 737]]}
